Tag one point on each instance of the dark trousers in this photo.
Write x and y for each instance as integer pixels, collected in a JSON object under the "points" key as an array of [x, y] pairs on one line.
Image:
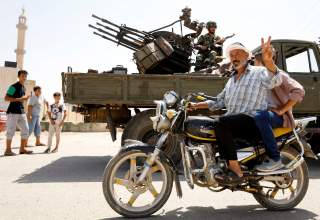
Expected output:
{"points": [[231, 127]]}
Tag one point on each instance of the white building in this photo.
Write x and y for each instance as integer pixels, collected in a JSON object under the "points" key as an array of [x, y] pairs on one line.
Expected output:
{"points": [[9, 73]]}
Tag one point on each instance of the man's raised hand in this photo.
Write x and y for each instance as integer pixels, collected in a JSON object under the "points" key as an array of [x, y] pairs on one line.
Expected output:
{"points": [[267, 55]]}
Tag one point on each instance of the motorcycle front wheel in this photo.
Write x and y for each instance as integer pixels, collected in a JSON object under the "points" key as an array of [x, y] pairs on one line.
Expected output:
{"points": [[125, 195], [289, 193]]}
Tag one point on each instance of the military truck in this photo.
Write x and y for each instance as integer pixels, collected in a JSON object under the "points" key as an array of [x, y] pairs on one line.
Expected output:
{"points": [[126, 100]]}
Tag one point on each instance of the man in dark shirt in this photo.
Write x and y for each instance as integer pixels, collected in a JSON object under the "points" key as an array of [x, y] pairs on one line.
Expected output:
{"points": [[16, 115]]}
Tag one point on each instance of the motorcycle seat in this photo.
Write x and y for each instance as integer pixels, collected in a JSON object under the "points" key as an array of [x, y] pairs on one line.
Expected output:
{"points": [[277, 132]]}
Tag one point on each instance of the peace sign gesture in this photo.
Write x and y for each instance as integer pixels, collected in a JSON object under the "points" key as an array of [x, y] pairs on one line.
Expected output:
{"points": [[267, 55]]}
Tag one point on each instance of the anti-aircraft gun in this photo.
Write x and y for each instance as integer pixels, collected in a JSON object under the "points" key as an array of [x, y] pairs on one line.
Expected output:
{"points": [[156, 51]]}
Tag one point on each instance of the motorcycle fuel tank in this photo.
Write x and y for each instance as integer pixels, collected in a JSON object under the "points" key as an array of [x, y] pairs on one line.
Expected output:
{"points": [[200, 128]]}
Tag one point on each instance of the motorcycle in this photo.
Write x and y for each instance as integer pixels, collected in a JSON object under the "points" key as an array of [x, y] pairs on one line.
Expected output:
{"points": [[138, 181]]}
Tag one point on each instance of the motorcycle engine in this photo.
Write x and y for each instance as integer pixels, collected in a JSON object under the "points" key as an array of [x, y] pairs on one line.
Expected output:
{"points": [[207, 177]]}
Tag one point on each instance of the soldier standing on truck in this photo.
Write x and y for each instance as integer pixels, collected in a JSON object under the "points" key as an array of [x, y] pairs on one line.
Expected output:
{"points": [[209, 46]]}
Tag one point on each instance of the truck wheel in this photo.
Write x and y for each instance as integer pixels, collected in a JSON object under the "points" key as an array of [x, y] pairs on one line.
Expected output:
{"points": [[315, 143], [140, 128]]}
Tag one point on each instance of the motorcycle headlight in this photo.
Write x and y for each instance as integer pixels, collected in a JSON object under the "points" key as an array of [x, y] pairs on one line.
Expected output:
{"points": [[170, 98]]}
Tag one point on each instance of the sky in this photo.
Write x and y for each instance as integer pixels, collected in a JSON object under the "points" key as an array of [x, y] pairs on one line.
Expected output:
{"points": [[58, 35]]}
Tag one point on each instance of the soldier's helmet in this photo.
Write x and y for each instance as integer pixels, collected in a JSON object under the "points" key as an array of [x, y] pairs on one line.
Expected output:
{"points": [[211, 24]]}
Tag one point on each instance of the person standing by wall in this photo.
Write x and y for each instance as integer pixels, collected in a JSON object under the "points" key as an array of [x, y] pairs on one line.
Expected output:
{"points": [[35, 110], [16, 115], [57, 114]]}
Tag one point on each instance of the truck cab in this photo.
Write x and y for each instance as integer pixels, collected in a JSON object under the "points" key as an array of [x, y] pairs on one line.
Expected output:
{"points": [[301, 60]]}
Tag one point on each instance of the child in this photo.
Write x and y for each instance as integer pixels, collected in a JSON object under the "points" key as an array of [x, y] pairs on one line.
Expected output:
{"points": [[57, 115]]}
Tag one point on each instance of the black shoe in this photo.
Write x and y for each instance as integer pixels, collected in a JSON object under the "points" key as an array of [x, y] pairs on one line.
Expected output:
{"points": [[229, 178]]}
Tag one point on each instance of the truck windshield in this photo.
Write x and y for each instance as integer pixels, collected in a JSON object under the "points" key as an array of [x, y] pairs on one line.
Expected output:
{"points": [[300, 59]]}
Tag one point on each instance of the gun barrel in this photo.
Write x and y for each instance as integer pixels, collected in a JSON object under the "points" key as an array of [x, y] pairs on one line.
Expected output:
{"points": [[140, 34], [158, 29], [104, 20], [135, 31], [123, 41], [119, 33], [114, 41]]}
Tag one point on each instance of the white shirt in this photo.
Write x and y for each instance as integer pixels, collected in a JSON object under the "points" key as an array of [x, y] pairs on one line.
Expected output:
{"points": [[247, 94], [57, 111]]}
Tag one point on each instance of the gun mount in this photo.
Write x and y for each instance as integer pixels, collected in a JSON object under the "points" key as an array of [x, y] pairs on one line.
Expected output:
{"points": [[157, 51]]}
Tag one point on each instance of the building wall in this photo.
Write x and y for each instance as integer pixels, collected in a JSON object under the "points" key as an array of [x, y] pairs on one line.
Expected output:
{"points": [[8, 76], [73, 116], [29, 84]]}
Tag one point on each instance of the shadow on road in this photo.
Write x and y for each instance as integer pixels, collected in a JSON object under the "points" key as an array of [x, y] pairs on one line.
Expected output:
{"points": [[69, 169], [314, 168], [233, 212], [90, 169]]}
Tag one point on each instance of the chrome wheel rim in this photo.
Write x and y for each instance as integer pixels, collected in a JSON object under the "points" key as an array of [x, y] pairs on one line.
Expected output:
{"points": [[130, 195], [286, 191]]}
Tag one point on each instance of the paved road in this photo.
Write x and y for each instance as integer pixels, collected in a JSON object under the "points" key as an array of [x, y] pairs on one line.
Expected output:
{"points": [[67, 185]]}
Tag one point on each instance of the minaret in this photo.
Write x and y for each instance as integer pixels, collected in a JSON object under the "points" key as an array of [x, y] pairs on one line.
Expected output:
{"points": [[20, 51]]}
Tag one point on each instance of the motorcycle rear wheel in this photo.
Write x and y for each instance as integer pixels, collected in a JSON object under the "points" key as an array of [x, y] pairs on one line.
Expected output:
{"points": [[270, 199]]}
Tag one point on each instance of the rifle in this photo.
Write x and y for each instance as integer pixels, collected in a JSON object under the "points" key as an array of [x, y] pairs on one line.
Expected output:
{"points": [[221, 41], [216, 45]]}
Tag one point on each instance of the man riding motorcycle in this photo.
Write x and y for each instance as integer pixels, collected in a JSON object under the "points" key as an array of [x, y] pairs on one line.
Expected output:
{"points": [[138, 180], [244, 94]]}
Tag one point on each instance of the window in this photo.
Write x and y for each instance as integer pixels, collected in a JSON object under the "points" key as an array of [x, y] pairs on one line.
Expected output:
{"points": [[313, 61], [300, 59]]}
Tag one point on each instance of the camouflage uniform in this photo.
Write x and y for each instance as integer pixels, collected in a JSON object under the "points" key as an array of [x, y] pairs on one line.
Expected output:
{"points": [[208, 56]]}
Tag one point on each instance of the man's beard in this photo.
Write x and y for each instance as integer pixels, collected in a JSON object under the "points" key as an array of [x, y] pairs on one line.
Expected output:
{"points": [[237, 64]]}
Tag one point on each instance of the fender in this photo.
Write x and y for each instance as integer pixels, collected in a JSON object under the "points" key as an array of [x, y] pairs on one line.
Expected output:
{"points": [[307, 149], [131, 145], [147, 148]]}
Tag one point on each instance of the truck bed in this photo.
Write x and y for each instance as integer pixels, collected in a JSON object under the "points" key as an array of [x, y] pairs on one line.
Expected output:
{"points": [[135, 90], [140, 90]]}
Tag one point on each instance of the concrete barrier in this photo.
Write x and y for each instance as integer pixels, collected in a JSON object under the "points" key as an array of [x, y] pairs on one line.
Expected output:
{"points": [[79, 127]]}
